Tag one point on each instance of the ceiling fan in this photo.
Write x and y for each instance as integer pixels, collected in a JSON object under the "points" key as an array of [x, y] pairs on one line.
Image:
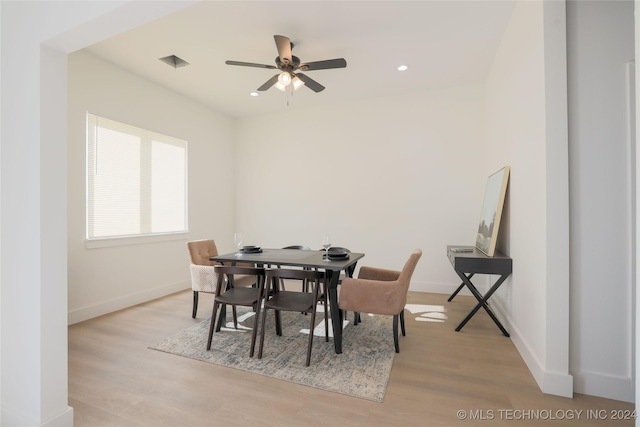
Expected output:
{"points": [[290, 67]]}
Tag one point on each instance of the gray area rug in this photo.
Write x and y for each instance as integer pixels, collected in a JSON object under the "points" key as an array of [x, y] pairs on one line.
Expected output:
{"points": [[362, 370]]}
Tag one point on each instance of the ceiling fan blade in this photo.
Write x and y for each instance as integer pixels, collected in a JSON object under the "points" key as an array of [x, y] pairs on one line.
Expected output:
{"points": [[269, 83], [284, 49], [310, 83], [323, 65], [250, 64]]}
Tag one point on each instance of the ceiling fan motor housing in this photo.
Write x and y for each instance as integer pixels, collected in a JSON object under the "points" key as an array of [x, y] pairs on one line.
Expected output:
{"points": [[288, 67]]}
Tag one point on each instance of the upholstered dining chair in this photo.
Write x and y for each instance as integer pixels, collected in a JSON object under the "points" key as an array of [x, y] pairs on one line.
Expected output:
{"points": [[203, 275], [228, 294], [301, 302], [380, 291]]}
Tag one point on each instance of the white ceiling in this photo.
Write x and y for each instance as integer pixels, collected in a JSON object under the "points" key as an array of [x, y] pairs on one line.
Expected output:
{"points": [[444, 43]]}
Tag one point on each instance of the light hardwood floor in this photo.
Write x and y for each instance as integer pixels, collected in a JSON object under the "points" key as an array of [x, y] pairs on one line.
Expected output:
{"points": [[439, 374]]}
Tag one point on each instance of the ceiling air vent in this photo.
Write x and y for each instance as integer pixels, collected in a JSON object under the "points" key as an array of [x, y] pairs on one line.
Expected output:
{"points": [[174, 61]]}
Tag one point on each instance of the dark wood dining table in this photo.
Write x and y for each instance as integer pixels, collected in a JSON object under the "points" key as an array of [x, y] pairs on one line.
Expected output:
{"points": [[308, 259]]}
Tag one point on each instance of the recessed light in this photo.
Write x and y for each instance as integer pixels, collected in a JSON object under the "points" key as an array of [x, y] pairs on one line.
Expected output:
{"points": [[254, 94], [402, 68]]}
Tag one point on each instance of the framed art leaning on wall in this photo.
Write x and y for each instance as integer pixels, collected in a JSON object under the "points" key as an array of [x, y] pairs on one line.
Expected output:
{"points": [[492, 211]]}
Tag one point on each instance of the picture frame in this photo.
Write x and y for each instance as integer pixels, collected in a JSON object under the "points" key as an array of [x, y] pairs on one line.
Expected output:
{"points": [[492, 207]]}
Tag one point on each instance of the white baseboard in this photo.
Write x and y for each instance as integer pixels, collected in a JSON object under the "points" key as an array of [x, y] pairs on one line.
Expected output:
{"points": [[85, 313], [549, 382], [559, 384], [606, 386], [9, 419], [556, 383], [63, 420]]}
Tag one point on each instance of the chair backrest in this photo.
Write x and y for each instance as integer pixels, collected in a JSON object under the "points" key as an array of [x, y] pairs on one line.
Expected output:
{"points": [[286, 273], [410, 266], [233, 270], [275, 275], [404, 280], [201, 250], [389, 298], [298, 248]]}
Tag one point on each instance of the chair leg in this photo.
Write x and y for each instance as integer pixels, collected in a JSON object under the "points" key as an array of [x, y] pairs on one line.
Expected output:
{"points": [[222, 318], [195, 304], [356, 317], [312, 325], [262, 331], [395, 332], [235, 317], [212, 325], [254, 332], [278, 323], [402, 322], [326, 318]]}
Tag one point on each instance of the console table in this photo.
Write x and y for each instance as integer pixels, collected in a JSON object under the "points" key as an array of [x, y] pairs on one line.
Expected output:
{"points": [[468, 261]]}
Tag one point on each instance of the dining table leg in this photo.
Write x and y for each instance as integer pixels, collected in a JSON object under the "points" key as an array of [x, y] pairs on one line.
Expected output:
{"points": [[336, 314]]}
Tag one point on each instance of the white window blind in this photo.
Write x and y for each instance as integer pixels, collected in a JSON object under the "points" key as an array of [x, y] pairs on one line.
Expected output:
{"points": [[136, 181]]}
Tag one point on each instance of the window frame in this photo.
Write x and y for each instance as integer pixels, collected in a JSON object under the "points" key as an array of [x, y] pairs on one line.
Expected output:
{"points": [[147, 138]]}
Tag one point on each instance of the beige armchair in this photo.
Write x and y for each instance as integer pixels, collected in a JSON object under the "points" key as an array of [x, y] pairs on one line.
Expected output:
{"points": [[203, 275], [379, 291]]}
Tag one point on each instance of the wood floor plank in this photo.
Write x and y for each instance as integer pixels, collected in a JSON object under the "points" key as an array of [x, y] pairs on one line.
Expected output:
{"points": [[115, 380]]}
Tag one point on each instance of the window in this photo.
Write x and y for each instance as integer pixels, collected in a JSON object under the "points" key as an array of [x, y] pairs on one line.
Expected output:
{"points": [[136, 181]]}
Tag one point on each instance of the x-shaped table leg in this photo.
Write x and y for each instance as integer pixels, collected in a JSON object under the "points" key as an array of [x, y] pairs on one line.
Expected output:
{"points": [[482, 300]]}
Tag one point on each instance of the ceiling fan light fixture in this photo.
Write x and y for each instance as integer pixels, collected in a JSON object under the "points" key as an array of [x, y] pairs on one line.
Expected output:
{"points": [[297, 83], [280, 86], [284, 79]]}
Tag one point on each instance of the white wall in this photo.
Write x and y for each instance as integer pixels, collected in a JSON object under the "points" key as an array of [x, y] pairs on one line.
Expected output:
{"points": [[636, 218], [105, 279], [33, 149], [33, 170], [381, 177], [33, 216], [601, 43], [525, 102]]}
